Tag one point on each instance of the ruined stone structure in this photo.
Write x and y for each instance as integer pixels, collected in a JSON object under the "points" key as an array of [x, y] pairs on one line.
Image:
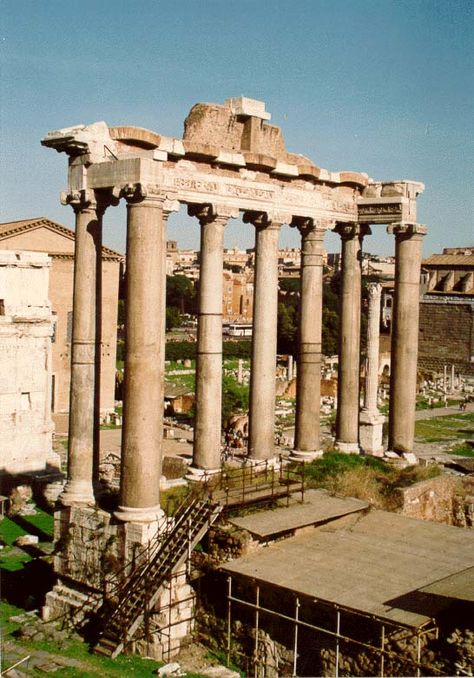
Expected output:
{"points": [[26, 328], [44, 235], [229, 162]]}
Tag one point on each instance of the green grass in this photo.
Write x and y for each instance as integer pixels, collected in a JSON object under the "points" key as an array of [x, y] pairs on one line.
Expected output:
{"points": [[449, 427], [367, 478], [174, 365], [13, 559], [187, 380], [462, 450], [424, 404], [332, 464]]}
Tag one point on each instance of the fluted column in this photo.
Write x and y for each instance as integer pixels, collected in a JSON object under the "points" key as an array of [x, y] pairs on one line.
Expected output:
{"points": [[308, 382], [89, 210], [347, 422], [264, 336], [147, 211], [207, 427], [404, 348], [371, 421]]}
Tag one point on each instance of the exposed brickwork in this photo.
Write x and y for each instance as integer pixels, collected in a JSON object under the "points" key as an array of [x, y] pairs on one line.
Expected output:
{"points": [[446, 335]]}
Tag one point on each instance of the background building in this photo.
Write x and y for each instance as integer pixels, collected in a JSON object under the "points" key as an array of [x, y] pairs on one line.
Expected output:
{"points": [[43, 235], [447, 311]]}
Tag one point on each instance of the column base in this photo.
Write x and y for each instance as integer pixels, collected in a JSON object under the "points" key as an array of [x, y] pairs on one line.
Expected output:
{"points": [[300, 455], [200, 475], [401, 459], [347, 448], [77, 493], [146, 514], [371, 432]]}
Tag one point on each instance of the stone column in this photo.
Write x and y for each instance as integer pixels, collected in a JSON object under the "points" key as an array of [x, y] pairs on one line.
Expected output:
{"points": [[264, 337], [207, 427], [308, 383], [290, 368], [371, 421], [347, 422], [408, 244], [143, 388], [79, 487]]}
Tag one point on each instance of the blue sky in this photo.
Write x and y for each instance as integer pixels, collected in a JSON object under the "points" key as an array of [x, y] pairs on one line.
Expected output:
{"points": [[380, 86]]}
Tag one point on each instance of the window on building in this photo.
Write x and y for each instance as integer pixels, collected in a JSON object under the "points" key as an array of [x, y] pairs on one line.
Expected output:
{"points": [[69, 327], [55, 322]]}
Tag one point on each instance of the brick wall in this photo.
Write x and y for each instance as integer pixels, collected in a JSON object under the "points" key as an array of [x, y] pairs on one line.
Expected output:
{"points": [[446, 335]]}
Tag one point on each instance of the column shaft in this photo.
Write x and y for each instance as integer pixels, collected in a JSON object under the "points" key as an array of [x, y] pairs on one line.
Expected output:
{"points": [[404, 348], [143, 387], [308, 383], [370, 419], [373, 339], [347, 423], [207, 429], [79, 486], [264, 341]]}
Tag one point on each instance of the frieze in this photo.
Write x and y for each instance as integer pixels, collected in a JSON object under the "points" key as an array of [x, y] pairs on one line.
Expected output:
{"points": [[247, 192], [196, 184], [393, 208]]}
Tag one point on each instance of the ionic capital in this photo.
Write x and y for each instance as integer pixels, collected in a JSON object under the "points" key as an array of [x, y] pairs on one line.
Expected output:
{"points": [[352, 230], [83, 200], [406, 230], [313, 229], [147, 193], [374, 290], [267, 220], [211, 213]]}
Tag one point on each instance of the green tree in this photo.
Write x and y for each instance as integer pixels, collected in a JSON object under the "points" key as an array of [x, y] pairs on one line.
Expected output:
{"points": [[235, 398], [180, 292], [173, 318], [287, 331]]}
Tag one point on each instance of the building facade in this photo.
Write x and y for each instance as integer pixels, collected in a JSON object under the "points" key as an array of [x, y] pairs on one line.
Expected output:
{"points": [[43, 235], [447, 311]]}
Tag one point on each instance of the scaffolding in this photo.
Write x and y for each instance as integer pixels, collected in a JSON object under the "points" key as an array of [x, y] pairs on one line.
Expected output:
{"points": [[381, 651]]}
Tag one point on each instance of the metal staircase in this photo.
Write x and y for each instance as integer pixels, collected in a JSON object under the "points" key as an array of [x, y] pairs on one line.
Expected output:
{"points": [[121, 617]]}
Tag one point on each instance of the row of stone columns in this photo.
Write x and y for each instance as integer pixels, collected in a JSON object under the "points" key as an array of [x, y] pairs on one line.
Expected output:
{"points": [[147, 212]]}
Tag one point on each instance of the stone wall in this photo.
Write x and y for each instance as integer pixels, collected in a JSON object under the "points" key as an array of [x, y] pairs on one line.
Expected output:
{"points": [[25, 364], [445, 499], [446, 334]]}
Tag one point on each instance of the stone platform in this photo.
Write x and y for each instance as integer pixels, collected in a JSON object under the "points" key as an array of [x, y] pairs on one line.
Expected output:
{"points": [[318, 508]]}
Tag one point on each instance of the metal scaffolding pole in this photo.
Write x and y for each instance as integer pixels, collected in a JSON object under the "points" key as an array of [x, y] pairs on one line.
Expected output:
{"points": [[257, 610], [229, 612], [295, 643], [382, 655]]}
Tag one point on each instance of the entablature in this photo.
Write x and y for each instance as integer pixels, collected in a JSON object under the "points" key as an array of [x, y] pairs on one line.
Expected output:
{"points": [[229, 155]]}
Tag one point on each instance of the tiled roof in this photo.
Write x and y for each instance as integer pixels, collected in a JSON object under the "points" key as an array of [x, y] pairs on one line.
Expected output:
{"points": [[12, 227], [449, 260]]}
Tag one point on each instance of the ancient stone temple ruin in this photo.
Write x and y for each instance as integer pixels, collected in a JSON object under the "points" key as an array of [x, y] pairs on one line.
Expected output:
{"points": [[230, 162]]}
